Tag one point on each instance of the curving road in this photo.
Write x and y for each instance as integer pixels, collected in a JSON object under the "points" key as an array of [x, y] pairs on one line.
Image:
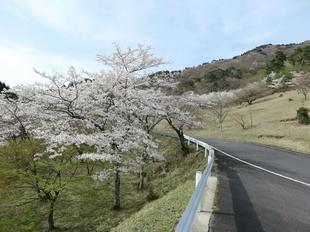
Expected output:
{"points": [[268, 189]]}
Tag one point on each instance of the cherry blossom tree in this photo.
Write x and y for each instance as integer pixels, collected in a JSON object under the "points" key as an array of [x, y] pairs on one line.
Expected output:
{"points": [[218, 103], [147, 115], [45, 171], [113, 112], [251, 92], [178, 115], [103, 109]]}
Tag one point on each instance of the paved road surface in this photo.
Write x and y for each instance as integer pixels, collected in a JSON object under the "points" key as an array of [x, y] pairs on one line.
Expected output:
{"points": [[253, 200]]}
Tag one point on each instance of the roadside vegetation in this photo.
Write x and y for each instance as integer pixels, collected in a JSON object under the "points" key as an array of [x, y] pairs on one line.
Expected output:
{"points": [[160, 215], [86, 204]]}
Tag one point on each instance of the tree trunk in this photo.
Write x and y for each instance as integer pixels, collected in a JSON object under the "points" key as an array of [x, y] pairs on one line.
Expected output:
{"points": [[251, 117], [184, 145], [90, 167], [51, 225], [117, 190], [221, 128], [141, 177]]}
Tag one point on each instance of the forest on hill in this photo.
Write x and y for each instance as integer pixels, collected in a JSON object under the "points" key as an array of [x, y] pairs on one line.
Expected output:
{"points": [[237, 72]]}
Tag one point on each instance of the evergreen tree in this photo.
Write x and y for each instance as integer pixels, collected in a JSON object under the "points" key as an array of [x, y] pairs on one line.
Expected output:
{"points": [[3, 86]]}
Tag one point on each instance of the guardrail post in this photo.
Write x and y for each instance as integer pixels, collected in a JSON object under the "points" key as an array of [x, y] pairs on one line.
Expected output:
{"points": [[188, 141], [197, 145], [198, 177], [206, 152], [211, 154]]}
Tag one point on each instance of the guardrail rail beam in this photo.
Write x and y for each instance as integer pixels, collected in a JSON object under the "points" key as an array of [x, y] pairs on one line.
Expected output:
{"points": [[186, 221]]}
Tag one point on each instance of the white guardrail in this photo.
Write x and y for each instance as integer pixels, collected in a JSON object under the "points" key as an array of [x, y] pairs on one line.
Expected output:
{"points": [[186, 221]]}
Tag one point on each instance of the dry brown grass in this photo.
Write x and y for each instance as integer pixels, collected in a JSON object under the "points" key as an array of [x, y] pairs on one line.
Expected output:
{"points": [[273, 123]]}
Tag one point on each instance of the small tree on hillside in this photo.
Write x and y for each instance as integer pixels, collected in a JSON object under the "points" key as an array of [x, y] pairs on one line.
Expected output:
{"points": [[46, 171], [251, 92], [302, 84], [13, 118], [219, 104], [240, 119]]}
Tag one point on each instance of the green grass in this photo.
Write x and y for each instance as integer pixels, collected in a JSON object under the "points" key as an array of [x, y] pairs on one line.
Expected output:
{"points": [[160, 215], [86, 205], [163, 214]]}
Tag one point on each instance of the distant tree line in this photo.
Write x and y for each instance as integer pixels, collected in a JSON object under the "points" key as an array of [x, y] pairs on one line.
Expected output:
{"points": [[277, 63], [215, 80], [220, 79], [301, 56]]}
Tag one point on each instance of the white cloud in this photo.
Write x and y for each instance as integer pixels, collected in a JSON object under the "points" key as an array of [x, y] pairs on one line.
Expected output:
{"points": [[65, 16], [185, 32], [105, 21], [18, 62]]}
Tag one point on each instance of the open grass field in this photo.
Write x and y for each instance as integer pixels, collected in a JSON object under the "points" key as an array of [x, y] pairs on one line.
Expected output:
{"points": [[273, 119]]}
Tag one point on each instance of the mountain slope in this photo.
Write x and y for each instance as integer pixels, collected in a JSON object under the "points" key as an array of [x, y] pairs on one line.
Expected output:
{"points": [[236, 72]]}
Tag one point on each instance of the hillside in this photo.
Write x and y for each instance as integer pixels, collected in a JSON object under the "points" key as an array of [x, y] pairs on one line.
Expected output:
{"points": [[160, 215], [86, 204], [273, 120], [250, 66]]}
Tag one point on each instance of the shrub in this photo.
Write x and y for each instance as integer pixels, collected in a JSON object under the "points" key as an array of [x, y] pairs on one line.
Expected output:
{"points": [[185, 85], [300, 56], [151, 194], [302, 115], [277, 63]]}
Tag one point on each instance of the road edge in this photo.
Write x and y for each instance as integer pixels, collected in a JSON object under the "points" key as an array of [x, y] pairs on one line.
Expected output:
{"points": [[203, 217]]}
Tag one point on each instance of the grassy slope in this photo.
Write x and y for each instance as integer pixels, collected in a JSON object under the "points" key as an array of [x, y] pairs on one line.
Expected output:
{"points": [[160, 215], [269, 115], [163, 214], [86, 204]]}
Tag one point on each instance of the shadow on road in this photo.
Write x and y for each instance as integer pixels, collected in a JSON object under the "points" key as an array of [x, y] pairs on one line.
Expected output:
{"points": [[244, 214]]}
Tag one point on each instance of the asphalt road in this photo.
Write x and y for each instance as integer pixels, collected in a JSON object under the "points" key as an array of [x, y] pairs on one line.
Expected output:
{"points": [[251, 199]]}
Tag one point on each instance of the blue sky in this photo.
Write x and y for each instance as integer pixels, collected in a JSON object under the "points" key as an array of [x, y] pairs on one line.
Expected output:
{"points": [[51, 35]]}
